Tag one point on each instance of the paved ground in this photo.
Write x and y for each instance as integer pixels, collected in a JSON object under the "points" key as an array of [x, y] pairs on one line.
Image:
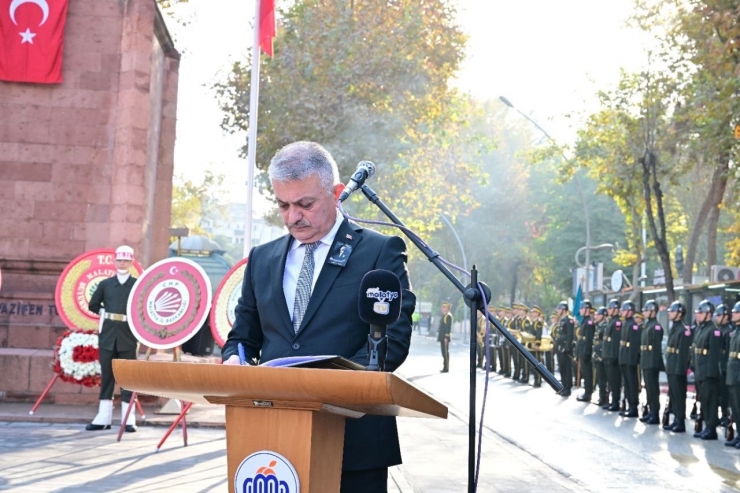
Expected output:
{"points": [[533, 440]]}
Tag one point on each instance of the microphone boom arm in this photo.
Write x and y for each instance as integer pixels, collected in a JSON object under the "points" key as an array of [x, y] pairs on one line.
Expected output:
{"points": [[433, 257]]}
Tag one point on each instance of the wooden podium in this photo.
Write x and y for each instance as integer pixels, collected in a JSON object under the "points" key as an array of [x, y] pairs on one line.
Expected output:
{"points": [[297, 412]]}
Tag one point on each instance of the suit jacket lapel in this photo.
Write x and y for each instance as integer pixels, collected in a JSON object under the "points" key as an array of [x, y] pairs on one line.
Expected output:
{"points": [[348, 235], [277, 267]]}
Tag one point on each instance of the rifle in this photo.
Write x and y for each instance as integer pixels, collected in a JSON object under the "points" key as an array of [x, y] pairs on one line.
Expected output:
{"points": [[729, 431], [623, 407], [667, 413], [694, 414]]}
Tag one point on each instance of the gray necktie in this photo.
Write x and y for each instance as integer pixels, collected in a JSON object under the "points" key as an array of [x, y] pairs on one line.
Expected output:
{"points": [[303, 286]]}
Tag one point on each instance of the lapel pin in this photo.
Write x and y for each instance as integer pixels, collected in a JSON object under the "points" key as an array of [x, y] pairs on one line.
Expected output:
{"points": [[349, 236]]}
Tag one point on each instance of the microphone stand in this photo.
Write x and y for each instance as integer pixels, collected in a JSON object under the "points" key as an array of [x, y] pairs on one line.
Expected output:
{"points": [[471, 294]]}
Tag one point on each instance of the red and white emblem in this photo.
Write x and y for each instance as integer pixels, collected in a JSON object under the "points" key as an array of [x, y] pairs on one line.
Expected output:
{"points": [[225, 300], [169, 303]]}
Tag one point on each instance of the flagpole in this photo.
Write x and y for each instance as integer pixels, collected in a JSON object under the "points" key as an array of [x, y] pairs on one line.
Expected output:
{"points": [[252, 134]]}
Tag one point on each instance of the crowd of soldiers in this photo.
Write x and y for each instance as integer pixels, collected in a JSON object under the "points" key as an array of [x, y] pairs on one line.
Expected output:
{"points": [[618, 351]]}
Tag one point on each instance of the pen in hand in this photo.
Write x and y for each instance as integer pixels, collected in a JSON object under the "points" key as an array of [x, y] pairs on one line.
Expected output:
{"points": [[242, 356]]}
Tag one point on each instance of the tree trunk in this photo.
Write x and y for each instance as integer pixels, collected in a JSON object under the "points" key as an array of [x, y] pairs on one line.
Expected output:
{"points": [[651, 187], [711, 200], [713, 221]]}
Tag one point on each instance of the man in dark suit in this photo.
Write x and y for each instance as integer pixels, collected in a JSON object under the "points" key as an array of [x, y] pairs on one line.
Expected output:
{"points": [[300, 298], [115, 339], [444, 334]]}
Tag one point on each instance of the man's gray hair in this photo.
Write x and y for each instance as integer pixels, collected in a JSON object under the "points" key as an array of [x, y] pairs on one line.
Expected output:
{"points": [[299, 160]]}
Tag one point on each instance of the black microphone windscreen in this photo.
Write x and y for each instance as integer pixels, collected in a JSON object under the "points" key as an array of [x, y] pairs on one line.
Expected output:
{"points": [[380, 297]]}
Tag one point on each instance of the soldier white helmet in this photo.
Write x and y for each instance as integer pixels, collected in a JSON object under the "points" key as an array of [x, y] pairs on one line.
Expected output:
{"points": [[124, 252]]}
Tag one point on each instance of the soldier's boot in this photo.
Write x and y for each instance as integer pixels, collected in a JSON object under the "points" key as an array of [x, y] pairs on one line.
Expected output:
{"points": [[732, 443], [632, 412], [103, 419], [679, 426], [653, 419], [709, 434], [131, 420]]}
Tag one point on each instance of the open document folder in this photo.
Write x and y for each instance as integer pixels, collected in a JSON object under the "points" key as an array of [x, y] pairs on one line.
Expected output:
{"points": [[327, 362]]}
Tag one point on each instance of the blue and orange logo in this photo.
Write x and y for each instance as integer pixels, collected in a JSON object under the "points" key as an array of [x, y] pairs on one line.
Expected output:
{"points": [[278, 476]]}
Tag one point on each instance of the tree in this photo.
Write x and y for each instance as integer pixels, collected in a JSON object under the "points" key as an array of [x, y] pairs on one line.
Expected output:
{"points": [[368, 80], [192, 203]]}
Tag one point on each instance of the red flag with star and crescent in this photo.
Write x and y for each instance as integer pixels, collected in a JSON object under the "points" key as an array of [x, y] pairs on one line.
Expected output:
{"points": [[31, 40]]}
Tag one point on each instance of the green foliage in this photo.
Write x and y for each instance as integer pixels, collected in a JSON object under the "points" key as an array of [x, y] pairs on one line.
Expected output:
{"points": [[368, 80], [194, 202]]}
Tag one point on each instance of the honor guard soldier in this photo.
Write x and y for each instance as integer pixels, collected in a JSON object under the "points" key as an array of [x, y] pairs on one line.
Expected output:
{"points": [[584, 350], [115, 341], [538, 326], [612, 338], [732, 378], [722, 320], [564, 347], [498, 340], [492, 342], [553, 333], [707, 357], [506, 345], [444, 334], [598, 356], [517, 325], [525, 328], [677, 359], [480, 340], [629, 358], [651, 360]]}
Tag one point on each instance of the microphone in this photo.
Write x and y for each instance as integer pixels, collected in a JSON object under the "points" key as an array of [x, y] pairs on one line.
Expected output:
{"points": [[379, 305], [365, 169]]}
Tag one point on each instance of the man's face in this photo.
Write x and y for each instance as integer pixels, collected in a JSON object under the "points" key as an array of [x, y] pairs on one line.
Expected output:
{"points": [[648, 313], [720, 319], [735, 317], [702, 317], [445, 309], [674, 315], [627, 313], [583, 311], [598, 318], [122, 264], [308, 210]]}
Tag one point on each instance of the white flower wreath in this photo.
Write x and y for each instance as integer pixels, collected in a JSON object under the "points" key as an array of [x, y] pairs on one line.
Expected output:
{"points": [[86, 364]]}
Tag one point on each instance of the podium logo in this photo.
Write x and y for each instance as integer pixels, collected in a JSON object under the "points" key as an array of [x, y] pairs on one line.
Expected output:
{"points": [[266, 472]]}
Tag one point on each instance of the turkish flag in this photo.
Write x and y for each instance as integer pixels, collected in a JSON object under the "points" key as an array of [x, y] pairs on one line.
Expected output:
{"points": [[31, 40], [267, 25]]}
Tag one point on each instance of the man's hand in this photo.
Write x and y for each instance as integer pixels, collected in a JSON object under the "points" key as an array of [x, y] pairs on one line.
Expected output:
{"points": [[233, 360]]}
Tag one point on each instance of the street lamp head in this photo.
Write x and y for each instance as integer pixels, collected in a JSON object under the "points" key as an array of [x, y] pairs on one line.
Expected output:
{"points": [[506, 101]]}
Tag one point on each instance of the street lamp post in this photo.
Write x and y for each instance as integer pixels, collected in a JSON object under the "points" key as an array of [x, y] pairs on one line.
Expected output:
{"points": [[578, 187], [464, 259]]}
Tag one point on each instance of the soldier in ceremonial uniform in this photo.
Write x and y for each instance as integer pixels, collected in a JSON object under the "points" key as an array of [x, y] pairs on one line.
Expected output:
{"points": [[525, 327], [722, 320], [651, 360], [585, 349], [564, 347], [732, 378], [444, 335], [612, 337], [516, 325], [553, 333], [480, 339], [498, 342], [708, 348], [538, 326], [115, 339], [598, 356], [629, 358], [678, 356]]}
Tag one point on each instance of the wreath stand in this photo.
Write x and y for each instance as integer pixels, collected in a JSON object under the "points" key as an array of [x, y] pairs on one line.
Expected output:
{"points": [[185, 407]]}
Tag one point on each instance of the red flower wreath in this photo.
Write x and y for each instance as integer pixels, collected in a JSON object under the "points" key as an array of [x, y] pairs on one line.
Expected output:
{"points": [[77, 358]]}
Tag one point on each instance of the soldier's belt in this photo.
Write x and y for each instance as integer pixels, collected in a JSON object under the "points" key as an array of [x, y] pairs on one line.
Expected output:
{"points": [[608, 339], [734, 354], [700, 351], [671, 350], [648, 347], [622, 343], [116, 317]]}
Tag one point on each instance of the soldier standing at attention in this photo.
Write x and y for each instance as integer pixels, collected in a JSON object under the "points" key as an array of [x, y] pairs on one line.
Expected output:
{"points": [[733, 373], [550, 356], [612, 336], [115, 339], [722, 320], [585, 349], [564, 345], [707, 358], [443, 336], [678, 356], [651, 360], [598, 356], [629, 358], [526, 327], [516, 324], [538, 326]]}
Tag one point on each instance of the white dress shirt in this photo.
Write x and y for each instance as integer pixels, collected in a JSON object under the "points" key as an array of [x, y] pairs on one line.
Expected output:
{"points": [[294, 262]]}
